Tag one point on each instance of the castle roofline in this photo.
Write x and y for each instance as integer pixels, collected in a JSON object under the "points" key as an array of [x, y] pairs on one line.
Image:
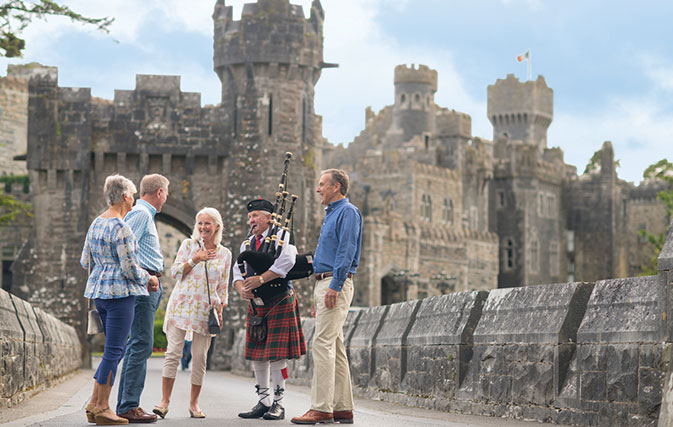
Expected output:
{"points": [[411, 74]]}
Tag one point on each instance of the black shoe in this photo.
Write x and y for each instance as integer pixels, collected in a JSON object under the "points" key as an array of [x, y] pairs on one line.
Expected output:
{"points": [[257, 411], [277, 412]]}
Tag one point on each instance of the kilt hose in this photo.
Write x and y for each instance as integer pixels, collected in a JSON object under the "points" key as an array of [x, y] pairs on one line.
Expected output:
{"points": [[284, 337]]}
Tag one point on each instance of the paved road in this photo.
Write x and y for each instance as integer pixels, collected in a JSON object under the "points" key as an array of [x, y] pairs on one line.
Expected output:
{"points": [[224, 395]]}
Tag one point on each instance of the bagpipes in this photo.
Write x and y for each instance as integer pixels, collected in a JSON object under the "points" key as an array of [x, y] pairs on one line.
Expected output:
{"points": [[271, 247]]}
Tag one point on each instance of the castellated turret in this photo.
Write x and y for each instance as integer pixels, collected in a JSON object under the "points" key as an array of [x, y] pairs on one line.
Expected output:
{"points": [[414, 109], [521, 111], [269, 62]]}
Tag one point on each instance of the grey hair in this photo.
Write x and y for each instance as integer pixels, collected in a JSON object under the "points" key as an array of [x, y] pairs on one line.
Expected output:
{"points": [[115, 187], [339, 176], [214, 214], [150, 184]]}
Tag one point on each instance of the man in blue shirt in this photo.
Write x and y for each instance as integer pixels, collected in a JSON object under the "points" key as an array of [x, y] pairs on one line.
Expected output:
{"points": [[153, 195], [335, 262]]}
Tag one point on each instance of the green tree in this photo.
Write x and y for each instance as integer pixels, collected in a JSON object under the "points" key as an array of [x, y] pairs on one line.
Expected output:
{"points": [[595, 162], [16, 15], [663, 170], [10, 208]]}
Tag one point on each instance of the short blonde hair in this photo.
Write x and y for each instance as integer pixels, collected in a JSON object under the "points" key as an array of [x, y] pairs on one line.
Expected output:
{"points": [[214, 214], [150, 184], [115, 187]]}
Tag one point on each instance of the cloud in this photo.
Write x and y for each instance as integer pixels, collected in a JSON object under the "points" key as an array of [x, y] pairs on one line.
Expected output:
{"points": [[639, 129], [658, 70]]}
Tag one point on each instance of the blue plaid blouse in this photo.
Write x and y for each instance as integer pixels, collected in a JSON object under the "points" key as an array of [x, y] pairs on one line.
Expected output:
{"points": [[113, 251]]}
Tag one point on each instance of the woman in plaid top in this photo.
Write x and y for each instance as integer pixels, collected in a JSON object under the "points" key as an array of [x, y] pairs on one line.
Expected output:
{"points": [[111, 253]]}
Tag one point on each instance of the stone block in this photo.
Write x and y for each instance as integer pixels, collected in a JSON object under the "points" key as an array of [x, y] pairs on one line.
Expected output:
{"points": [[665, 260], [35, 355], [362, 344], [614, 414], [622, 369], [593, 386], [650, 391], [447, 319], [349, 325], [625, 310], [432, 371], [592, 357], [532, 383], [390, 356], [525, 315]]}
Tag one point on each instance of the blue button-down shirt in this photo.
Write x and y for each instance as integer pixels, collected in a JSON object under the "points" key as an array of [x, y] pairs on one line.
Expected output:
{"points": [[339, 244], [141, 221]]}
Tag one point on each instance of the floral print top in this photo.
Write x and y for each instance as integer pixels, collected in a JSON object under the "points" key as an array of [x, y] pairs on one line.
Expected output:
{"points": [[188, 305], [112, 250]]}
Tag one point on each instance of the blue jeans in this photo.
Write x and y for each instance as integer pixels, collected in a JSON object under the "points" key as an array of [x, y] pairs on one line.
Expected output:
{"points": [[138, 350], [117, 315]]}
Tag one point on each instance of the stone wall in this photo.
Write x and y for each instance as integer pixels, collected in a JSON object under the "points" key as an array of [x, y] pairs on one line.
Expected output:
{"points": [[37, 349], [573, 353]]}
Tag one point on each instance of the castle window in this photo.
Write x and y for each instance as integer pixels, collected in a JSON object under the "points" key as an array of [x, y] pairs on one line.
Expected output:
{"points": [[303, 119], [427, 100], [235, 118], [403, 98], [474, 218], [642, 233], [447, 212], [571, 240], [551, 206], [426, 207], [270, 114], [417, 98], [554, 268], [508, 254], [427, 142], [534, 252], [540, 205], [500, 197]]}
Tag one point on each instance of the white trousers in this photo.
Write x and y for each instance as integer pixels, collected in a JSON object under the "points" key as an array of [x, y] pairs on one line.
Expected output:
{"points": [[176, 340]]}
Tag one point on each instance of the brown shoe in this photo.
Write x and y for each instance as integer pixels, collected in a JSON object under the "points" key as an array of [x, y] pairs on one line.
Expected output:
{"points": [[103, 419], [314, 417], [343, 417], [138, 416]]}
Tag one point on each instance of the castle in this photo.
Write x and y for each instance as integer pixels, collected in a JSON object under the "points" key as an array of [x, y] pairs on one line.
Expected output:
{"points": [[444, 210]]}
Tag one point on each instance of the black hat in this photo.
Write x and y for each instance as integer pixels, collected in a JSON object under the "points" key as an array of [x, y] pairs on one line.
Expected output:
{"points": [[259, 205]]}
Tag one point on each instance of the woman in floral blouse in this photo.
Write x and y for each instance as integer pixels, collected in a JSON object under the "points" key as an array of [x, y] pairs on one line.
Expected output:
{"points": [[189, 304], [111, 254]]}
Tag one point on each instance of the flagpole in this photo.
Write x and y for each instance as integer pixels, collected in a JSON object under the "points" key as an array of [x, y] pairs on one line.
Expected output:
{"points": [[530, 60]]}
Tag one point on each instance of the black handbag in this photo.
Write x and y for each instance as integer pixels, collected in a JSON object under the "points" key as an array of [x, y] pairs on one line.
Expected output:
{"points": [[214, 326]]}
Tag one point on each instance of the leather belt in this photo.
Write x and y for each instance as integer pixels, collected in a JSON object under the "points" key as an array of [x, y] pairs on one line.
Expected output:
{"points": [[152, 273], [320, 276]]}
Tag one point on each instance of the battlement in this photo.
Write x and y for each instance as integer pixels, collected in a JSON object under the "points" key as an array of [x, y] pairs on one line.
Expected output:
{"points": [[511, 95], [34, 69], [269, 31], [411, 74], [453, 123]]}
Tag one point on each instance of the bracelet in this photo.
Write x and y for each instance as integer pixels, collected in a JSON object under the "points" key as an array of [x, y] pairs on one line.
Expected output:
{"points": [[261, 280], [191, 262]]}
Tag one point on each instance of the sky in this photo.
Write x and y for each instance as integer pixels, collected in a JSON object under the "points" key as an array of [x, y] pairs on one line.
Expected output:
{"points": [[609, 62]]}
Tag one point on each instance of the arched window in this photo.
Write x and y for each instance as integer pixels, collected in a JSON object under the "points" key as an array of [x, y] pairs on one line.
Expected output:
{"points": [[508, 254], [426, 207], [554, 260], [534, 251], [447, 212]]}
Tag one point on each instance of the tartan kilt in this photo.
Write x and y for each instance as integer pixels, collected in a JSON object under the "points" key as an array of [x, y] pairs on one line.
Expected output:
{"points": [[284, 337]]}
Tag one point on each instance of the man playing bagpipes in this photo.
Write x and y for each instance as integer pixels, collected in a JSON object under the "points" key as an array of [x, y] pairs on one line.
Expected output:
{"points": [[273, 328]]}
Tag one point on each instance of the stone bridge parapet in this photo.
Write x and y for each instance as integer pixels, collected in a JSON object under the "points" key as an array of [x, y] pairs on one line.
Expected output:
{"points": [[37, 349]]}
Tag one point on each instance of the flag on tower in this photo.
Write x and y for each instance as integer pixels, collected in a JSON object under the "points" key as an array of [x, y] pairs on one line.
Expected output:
{"points": [[525, 55]]}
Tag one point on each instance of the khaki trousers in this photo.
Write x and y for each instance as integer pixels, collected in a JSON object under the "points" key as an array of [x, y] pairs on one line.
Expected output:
{"points": [[176, 340], [331, 386]]}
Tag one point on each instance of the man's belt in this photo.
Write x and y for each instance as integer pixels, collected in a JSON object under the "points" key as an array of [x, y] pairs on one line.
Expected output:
{"points": [[151, 272], [320, 276]]}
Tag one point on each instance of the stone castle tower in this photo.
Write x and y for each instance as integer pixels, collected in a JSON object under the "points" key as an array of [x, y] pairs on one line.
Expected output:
{"points": [[414, 108], [521, 111], [269, 63]]}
